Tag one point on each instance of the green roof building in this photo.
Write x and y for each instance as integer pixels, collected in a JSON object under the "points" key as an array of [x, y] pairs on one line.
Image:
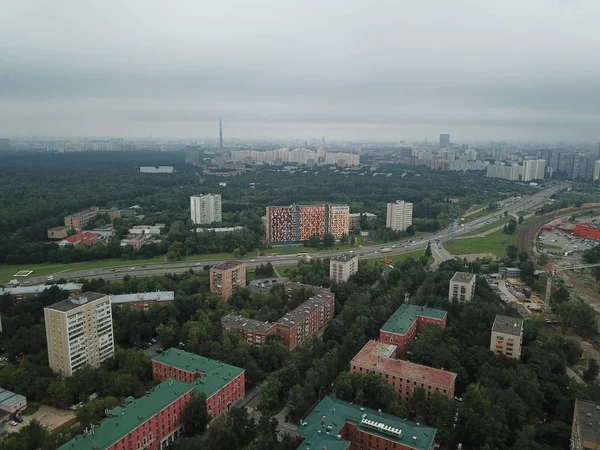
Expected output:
{"points": [[135, 420], [336, 425], [407, 322], [223, 384]]}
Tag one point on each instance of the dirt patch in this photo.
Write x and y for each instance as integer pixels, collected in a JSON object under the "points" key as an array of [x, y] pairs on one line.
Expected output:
{"points": [[471, 257], [49, 417]]}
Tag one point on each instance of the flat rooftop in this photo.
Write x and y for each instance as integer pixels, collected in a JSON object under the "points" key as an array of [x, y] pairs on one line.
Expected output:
{"points": [[406, 315], [39, 288], [9, 398], [159, 296], [463, 277], [214, 374], [228, 265], [246, 324], [344, 257], [330, 416], [589, 420], [508, 325], [126, 418], [305, 309], [370, 357], [76, 302]]}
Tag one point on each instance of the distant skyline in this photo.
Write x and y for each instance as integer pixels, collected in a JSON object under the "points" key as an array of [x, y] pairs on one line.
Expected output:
{"points": [[348, 70]]}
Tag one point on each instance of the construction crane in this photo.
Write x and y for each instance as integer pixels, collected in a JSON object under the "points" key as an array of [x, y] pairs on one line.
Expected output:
{"points": [[550, 276]]}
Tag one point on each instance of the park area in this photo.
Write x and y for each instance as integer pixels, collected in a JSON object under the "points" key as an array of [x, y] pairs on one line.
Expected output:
{"points": [[495, 243]]}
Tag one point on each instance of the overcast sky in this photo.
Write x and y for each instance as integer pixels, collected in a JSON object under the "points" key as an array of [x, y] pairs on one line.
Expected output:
{"points": [[356, 70]]}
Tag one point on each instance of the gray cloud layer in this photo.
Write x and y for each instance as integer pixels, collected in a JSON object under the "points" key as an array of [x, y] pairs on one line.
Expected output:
{"points": [[345, 69]]}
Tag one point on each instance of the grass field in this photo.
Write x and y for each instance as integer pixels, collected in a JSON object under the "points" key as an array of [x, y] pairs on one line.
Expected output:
{"points": [[487, 227], [548, 246], [399, 258], [283, 270], [524, 213], [495, 243]]}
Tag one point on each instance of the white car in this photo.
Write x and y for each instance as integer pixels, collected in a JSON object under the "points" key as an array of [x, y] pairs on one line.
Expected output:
{"points": [[13, 423], [132, 268]]}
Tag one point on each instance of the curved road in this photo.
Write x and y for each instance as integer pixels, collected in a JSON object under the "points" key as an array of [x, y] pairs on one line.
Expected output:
{"points": [[529, 203]]}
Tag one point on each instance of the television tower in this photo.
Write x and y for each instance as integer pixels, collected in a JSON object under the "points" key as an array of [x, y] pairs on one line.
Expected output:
{"points": [[220, 134]]}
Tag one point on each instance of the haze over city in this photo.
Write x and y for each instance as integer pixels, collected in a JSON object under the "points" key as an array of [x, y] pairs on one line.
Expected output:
{"points": [[346, 70]]}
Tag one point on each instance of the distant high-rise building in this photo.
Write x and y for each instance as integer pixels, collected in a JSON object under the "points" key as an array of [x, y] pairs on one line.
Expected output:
{"points": [[534, 169], [399, 215], [297, 223], [220, 133], [79, 332], [206, 208], [596, 171], [444, 141]]}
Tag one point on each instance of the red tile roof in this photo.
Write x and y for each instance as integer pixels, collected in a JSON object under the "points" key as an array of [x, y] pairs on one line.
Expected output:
{"points": [[368, 358], [81, 239]]}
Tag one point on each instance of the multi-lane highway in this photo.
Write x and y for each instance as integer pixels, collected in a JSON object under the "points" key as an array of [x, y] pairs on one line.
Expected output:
{"points": [[513, 205]]}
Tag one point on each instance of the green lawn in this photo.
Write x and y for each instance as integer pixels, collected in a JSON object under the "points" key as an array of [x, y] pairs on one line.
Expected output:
{"points": [[30, 410], [489, 226], [399, 258], [477, 215], [284, 269], [548, 246], [524, 213], [495, 243]]}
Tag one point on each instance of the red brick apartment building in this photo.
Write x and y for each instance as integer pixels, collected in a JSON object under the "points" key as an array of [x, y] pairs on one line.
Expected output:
{"points": [[338, 425], [404, 376], [151, 422], [222, 384], [296, 327], [408, 322]]}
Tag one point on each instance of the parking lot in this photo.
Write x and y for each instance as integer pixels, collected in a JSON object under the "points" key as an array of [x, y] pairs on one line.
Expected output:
{"points": [[558, 243]]}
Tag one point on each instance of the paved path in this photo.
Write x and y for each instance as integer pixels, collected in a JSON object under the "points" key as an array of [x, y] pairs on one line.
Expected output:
{"points": [[573, 376]]}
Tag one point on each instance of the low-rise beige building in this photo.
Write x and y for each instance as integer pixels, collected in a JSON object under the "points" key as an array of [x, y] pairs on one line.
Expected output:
{"points": [[58, 232], [82, 218], [462, 287], [343, 266], [225, 277], [79, 331], [507, 336]]}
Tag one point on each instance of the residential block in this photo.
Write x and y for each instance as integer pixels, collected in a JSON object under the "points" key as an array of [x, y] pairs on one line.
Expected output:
{"points": [[404, 376], [338, 425], [407, 322]]}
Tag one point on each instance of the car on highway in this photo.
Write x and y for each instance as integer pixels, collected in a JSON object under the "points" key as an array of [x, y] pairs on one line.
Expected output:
{"points": [[198, 264], [132, 268]]}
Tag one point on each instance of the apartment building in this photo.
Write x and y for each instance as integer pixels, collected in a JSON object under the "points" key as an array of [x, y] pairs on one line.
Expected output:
{"points": [[253, 331], [407, 322], [355, 219], [205, 208], [222, 384], [307, 320], [82, 218], [224, 278], [337, 425], [151, 422], [534, 169], [596, 172], [79, 331], [142, 300], [297, 223], [296, 327], [404, 376], [338, 220], [462, 287], [507, 336], [343, 266], [399, 215], [585, 429]]}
